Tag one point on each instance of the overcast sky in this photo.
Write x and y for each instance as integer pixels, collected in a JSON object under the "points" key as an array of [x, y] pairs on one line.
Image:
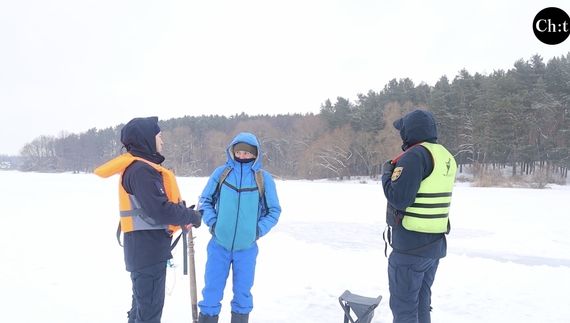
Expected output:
{"points": [[68, 65]]}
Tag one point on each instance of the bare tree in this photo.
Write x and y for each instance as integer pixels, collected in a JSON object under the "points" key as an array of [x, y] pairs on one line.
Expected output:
{"points": [[181, 151], [389, 139], [213, 151], [333, 152], [39, 155]]}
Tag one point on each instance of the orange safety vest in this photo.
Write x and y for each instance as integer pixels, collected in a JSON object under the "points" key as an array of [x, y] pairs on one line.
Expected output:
{"points": [[132, 216]]}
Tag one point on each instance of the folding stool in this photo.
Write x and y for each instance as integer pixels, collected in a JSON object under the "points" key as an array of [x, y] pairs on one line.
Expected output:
{"points": [[362, 307]]}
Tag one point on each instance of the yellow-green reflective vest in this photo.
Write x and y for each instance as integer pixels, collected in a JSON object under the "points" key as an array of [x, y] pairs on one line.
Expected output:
{"points": [[430, 211]]}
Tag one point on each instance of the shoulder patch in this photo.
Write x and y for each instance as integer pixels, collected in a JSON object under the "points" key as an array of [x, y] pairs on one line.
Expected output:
{"points": [[160, 188], [397, 172]]}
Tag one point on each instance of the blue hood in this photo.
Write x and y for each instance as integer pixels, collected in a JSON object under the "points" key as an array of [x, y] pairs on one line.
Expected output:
{"points": [[416, 126], [248, 138]]}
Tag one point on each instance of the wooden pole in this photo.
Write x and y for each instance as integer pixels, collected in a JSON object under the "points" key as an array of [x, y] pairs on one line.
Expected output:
{"points": [[192, 276]]}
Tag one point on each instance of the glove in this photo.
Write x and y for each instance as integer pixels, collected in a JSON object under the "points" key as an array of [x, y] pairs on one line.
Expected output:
{"points": [[197, 222], [387, 167]]}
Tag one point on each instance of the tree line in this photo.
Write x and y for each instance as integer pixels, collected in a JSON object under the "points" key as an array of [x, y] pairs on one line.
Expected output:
{"points": [[519, 117]]}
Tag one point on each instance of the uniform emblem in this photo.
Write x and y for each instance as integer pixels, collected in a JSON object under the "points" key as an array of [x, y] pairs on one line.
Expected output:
{"points": [[397, 172], [160, 188]]}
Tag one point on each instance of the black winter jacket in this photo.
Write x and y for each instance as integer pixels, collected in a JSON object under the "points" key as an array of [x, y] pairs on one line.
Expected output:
{"points": [[148, 247], [417, 163]]}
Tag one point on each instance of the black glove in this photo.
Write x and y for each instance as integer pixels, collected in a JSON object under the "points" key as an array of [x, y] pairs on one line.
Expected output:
{"points": [[192, 208], [197, 222], [387, 167], [197, 219]]}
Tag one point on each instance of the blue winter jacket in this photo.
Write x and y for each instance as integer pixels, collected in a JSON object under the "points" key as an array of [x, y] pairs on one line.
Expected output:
{"points": [[417, 126], [236, 213]]}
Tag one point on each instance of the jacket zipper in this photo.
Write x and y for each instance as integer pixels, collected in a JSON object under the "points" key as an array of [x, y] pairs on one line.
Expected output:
{"points": [[239, 202]]}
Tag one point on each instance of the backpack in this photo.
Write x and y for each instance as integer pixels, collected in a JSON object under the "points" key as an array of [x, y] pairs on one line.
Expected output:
{"points": [[258, 180]]}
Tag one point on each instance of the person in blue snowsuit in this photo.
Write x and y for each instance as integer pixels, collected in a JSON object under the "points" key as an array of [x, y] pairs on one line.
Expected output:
{"points": [[418, 186], [237, 217]]}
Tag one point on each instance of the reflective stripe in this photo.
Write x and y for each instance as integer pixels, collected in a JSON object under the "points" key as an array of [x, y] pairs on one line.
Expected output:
{"points": [[136, 212], [427, 216], [419, 195], [426, 205]]}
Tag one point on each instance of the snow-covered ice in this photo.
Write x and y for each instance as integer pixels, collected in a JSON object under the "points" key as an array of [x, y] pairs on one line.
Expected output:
{"points": [[508, 257]]}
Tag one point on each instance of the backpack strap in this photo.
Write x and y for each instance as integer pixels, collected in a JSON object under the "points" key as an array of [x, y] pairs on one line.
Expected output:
{"points": [[400, 155], [417, 250], [261, 189], [223, 176], [387, 236], [222, 179], [172, 246], [259, 181], [119, 234]]}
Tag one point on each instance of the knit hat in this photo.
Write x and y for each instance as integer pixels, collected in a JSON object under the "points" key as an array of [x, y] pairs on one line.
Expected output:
{"points": [[245, 147], [156, 129]]}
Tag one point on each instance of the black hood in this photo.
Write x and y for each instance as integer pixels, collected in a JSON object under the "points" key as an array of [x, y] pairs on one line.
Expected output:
{"points": [[140, 140], [416, 126]]}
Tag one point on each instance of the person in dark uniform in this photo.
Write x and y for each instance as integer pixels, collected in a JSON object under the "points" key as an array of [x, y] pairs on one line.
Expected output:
{"points": [[418, 185], [151, 210]]}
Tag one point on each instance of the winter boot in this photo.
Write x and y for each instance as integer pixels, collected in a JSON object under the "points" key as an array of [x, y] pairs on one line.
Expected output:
{"points": [[207, 319], [239, 318]]}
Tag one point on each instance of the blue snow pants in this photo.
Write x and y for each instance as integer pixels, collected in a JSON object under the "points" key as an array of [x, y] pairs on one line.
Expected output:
{"points": [[218, 266], [149, 285], [410, 279]]}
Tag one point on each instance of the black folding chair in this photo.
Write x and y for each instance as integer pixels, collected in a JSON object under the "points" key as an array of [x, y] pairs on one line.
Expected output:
{"points": [[362, 307]]}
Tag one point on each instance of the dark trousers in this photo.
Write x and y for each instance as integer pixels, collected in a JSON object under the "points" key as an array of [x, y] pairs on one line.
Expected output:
{"points": [[410, 278], [149, 285]]}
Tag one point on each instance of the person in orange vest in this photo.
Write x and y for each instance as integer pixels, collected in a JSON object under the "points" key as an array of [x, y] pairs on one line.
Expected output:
{"points": [[151, 210]]}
